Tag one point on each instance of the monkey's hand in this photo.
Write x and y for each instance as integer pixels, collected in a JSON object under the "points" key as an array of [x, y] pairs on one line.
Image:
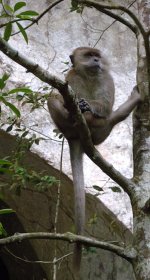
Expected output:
{"points": [[84, 105]]}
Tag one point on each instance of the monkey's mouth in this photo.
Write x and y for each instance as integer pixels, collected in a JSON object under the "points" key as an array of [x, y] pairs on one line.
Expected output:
{"points": [[94, 68]]}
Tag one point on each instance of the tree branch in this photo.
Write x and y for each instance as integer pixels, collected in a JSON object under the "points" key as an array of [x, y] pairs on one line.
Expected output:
{"points": [[132, 27], [37, 262], [127, 253], [13, 21], [120, 19], [71, 105], [104, 8], [32, 67]]}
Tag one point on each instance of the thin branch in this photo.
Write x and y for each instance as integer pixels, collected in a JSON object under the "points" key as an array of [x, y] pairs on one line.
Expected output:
{"points": [[120, 19], [57, 212], [126, 253], [36, 20], [47, 10], [13, 21], [133, 28], [71, 105], [39, 132], [37, 262], [104, 8]]}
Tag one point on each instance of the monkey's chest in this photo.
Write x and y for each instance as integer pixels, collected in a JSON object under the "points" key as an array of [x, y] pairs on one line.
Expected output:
{"points": [[86, 91]]}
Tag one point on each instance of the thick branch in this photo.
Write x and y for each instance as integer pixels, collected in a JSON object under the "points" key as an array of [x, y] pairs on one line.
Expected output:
{"points": [[72, 107], [126, 253], [32, 67], [103, 8]]}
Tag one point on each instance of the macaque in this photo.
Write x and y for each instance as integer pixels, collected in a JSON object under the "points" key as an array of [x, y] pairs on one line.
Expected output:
{"points": [[94, 88]]}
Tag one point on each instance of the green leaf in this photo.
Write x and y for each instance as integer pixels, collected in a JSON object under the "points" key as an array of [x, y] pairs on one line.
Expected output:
{"points": [[6, 211], [9, 128], [4, 162], [4, 166], [11, 106], [97, 188], [3, 80], [7, 32], [4, 16], [8, 8], [115, 189], [25, 134], [14, 109], [23, 32], [2, 230], [19, 5], [5, 77], [90, 250], [24, 17], [28, 13], [15, 90], [2, 84]]}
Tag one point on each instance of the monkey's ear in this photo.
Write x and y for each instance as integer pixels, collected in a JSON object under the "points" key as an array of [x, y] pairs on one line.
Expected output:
{"points": [[72, 59]]}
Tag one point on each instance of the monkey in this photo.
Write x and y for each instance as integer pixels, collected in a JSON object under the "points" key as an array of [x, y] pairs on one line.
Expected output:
{"points": [[93, 86]]}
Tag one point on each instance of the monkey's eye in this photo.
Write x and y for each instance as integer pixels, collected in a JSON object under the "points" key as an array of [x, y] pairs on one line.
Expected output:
{"points": [[89, 54]]}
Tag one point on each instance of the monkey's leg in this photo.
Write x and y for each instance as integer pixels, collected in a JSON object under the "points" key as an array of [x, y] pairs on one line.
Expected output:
{"points": [[61, 118], [126, 108]]}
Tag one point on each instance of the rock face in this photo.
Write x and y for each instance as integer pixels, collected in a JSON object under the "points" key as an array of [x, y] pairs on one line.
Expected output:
{"points": [[50, 44], [51, 52]]}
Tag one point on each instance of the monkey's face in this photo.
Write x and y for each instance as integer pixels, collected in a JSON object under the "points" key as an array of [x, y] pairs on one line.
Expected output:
{"points": [[88, 60]]}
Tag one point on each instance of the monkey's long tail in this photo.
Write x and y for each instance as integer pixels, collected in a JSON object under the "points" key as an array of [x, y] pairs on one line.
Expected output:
{"points": [[76, 156]]}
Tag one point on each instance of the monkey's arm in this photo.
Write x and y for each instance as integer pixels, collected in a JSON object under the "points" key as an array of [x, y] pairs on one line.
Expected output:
{"points": [[126, 108]]}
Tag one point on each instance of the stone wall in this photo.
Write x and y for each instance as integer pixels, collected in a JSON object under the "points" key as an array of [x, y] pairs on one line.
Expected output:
{"points": [[35, 212]]}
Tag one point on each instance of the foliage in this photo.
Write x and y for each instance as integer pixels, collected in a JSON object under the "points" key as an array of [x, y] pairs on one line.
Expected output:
{"points": [[93, 221], [76, 7], [4, 212], [24, 96], [35, 99], [3, 96], [116, 189], [13, 166], [2, 231], [20, 177], [14, 16]]}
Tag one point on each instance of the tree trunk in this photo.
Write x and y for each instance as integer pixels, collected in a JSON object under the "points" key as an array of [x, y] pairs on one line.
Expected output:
{"points": [[141, 153]]}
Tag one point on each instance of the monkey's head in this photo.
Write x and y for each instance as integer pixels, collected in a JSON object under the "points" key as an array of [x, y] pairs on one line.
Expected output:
{"points": [[88, 60]]}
